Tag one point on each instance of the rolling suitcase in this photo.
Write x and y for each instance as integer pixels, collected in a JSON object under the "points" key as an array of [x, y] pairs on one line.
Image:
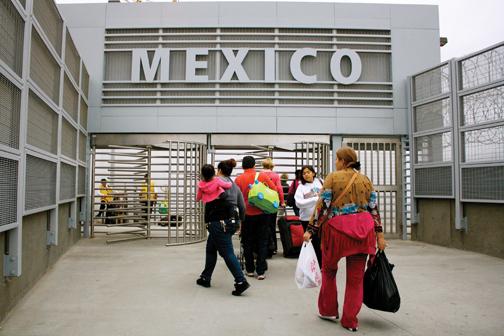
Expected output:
{"points": [[291, 235]]}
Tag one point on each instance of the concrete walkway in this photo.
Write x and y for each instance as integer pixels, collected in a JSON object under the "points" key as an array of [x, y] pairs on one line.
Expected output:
{"points": [[143, 288]]}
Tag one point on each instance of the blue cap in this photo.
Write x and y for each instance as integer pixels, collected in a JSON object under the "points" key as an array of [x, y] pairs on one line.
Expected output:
{"points": [[260, 195], [250, 186]]}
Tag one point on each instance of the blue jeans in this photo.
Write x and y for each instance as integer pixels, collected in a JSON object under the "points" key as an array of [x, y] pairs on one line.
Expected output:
{"points": [[219, 240]]}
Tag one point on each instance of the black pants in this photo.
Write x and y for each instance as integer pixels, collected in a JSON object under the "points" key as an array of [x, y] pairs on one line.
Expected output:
{"points": [[145, 203], [104, 212], [315, 242], [272, 244], [255, 232]]}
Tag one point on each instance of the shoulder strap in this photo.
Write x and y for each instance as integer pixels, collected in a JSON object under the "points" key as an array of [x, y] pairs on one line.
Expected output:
{"points": [[256, 178], [345, 190]]}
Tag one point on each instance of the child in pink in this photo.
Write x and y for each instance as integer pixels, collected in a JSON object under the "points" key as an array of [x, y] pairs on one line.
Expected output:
{"points": [[210, 188]]}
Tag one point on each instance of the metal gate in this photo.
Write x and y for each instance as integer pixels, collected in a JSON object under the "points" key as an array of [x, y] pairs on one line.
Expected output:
{"points": [[381, 161], [152, 192], [286, 160]]}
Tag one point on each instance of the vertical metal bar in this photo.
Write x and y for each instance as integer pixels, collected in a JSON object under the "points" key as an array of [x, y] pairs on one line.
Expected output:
{"points": [[184, 194], [169, 198], [177, 195], [149, 177], [460, 221], [93, 183]]}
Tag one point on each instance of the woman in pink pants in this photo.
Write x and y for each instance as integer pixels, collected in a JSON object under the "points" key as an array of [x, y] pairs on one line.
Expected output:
{"points": [[346, 192]]}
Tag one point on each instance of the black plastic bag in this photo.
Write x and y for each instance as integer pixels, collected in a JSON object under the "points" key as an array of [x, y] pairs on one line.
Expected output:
{"points": [[380, 289]]}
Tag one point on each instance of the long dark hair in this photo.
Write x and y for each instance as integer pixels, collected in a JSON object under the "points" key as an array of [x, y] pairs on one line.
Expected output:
{"points": [[303, 181]]}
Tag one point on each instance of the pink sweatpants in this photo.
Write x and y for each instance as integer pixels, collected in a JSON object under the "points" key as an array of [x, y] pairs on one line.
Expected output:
{"points": [[328, 296]]}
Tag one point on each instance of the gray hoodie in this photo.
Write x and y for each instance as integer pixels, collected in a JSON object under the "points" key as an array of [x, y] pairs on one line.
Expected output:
{"points": [[234, 196]]}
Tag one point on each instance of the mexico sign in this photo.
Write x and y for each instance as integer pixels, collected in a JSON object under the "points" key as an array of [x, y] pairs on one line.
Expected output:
{"points": [[195, 60]]}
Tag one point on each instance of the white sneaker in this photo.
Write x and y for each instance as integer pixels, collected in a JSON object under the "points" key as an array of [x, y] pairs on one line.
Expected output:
{"points": [[249, 274], [329, 318]]}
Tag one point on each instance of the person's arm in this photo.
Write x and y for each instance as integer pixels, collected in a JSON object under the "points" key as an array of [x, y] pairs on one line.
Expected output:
{"points": [[199, 195], [373, 210], [325, 195], [266, 179], [224, 184], [279, 189], [240, 203]]}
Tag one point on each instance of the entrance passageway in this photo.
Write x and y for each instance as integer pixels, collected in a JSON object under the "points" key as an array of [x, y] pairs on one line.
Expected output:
{"points": [[143, 288]]}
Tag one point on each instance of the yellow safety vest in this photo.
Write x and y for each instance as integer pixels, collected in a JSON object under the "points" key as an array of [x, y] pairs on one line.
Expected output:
{"points": [[143, 191], [106, 194]]}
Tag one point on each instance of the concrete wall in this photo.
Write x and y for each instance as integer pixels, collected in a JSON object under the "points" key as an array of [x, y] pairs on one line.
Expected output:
{"points": [[414, 33], [37, 256], [485, 232]]}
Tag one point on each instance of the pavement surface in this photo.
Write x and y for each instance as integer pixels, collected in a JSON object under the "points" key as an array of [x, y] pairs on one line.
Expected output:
{"points": [[143, 288]]}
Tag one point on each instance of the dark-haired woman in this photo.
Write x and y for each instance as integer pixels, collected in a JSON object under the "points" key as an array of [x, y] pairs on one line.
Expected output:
{"points": [[306, 197], [348, 192], [222, 222]]}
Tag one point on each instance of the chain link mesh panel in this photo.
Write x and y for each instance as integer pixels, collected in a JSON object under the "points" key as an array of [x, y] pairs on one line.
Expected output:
{"points": [[485, 183], [483, 106], [72, 58], [44, 69], [68, 140], [485, 144], [85, 81], [83, 114], [433, 148], [81, 186], [8, 191], [10, 105], [67, 181], [483, 68], [42, 128], [435, 181], [432, 83], [48, 17], [433, 115], [11, 36], [70, 99], [82, 146], [40, 183]]}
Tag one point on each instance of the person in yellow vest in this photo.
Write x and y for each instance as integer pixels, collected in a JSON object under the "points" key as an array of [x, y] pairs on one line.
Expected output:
{"points": [[148, 196], [106, 198]]}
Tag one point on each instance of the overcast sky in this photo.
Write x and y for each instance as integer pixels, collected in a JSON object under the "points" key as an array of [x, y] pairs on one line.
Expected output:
{"points": [[469, 25]]}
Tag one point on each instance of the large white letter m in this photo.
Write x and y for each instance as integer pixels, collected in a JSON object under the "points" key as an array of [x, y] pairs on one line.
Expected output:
{"points": [[140, 56]]}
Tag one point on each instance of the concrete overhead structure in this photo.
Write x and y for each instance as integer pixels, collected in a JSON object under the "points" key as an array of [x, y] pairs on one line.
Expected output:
{"points": [[241, 67]]}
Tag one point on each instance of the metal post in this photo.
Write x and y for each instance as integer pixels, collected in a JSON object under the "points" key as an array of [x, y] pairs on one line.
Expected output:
{"points": [[92, 190], [149, 153]]}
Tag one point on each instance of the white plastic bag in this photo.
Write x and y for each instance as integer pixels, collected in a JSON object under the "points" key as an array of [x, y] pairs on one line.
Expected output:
{"points": [[307, 270]]}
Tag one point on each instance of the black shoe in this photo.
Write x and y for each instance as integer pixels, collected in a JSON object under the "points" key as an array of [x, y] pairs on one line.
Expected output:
{"points": [[240, 288], [203, 282]]}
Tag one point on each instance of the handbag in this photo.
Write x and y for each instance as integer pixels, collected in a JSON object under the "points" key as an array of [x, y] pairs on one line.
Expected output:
{"points": [[380, 289], [356, 225], [308, 273]]}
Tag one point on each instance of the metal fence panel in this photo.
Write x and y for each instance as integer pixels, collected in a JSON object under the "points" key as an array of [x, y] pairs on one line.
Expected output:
{"points": [[10, 105], [42, 129], [8, 191], [11, 36], [67, 181], [40, 183]]}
